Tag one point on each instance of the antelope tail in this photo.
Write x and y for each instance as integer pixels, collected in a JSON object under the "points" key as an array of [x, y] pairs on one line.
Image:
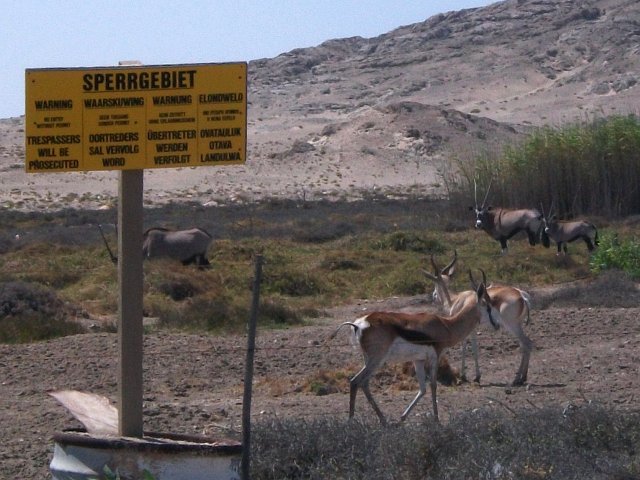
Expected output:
{"points": [[526, 298], [527, 302], [333, 335]]}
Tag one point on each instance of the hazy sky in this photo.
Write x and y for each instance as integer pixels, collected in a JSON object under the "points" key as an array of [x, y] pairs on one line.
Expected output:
{"points": [[86, 33]]}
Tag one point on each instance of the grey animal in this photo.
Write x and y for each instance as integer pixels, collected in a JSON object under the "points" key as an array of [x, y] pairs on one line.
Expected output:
{"points": [[565, 232], [503, 223], [187, 246]]}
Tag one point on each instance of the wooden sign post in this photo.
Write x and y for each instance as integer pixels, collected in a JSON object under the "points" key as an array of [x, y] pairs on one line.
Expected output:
{"points": [[130, 118], [130, 284]]}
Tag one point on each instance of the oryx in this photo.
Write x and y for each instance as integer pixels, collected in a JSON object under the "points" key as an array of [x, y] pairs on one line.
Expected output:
{"points": [[503, 223], [187, 246], [563, 232]]}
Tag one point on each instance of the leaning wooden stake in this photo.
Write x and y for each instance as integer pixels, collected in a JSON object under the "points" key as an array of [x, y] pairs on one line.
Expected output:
{"points": [[248, 372]]}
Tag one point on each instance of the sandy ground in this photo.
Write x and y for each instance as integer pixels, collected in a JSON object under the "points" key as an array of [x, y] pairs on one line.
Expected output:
{"points": [[193, 383], [309, 177]]}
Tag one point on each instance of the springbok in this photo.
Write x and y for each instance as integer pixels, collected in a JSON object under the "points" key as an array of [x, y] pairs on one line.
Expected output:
{"points": [[514, 306], [418, 337], [566, 232], [503, 223]]}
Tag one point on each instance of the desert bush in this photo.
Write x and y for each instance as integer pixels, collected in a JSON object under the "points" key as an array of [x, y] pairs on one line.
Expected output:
{"points": [[8, 242], [324, 382], [55, 269], [380, 259], [289, 275], [586, 442], [273, 311], [317, 231], [590, 168], [30, 312], [200, 313], [292, 283], [329, 130], [215, 310], [616, 253], [334, 263], [407, 286], [178, 290], [187, 298], [409, 241]]}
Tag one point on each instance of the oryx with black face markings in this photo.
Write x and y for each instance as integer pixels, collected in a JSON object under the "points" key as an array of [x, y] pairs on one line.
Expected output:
{"points": [[563, 232], [503, 223]]}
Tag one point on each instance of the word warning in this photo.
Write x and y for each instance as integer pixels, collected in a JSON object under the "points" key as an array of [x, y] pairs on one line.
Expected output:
{"points": [[126, 118]]}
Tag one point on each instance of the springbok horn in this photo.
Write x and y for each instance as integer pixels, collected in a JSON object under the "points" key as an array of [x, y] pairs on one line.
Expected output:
{"points": [[430, 275], [473, 282], [435, 267], [452, 263], [484, 277], [438, 278]]}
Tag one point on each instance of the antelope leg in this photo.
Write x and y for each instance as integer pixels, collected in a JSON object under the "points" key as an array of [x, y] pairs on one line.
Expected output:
{"points": [[526, 345], [361, 379], [422, 381], [463, 366], [374, 405], [474, 348]]}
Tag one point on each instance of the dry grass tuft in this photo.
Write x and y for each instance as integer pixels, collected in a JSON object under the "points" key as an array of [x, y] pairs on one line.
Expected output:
{"points": [[578, 442]]}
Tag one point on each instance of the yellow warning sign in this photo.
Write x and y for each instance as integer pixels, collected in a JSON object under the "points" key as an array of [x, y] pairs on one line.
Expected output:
{"points": [[124, 118]]}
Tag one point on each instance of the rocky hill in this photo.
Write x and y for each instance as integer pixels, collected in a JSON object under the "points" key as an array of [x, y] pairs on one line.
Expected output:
{"points": [[517, 61], [387, 113]]}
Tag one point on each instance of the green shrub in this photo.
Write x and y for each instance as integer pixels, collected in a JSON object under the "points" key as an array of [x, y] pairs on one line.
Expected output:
{"points": [[275, 312], [178, 290], [293, 283], [590, 168], [614, 253], [200, 313], [321, 231], [333, 264], [412, 242]]}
